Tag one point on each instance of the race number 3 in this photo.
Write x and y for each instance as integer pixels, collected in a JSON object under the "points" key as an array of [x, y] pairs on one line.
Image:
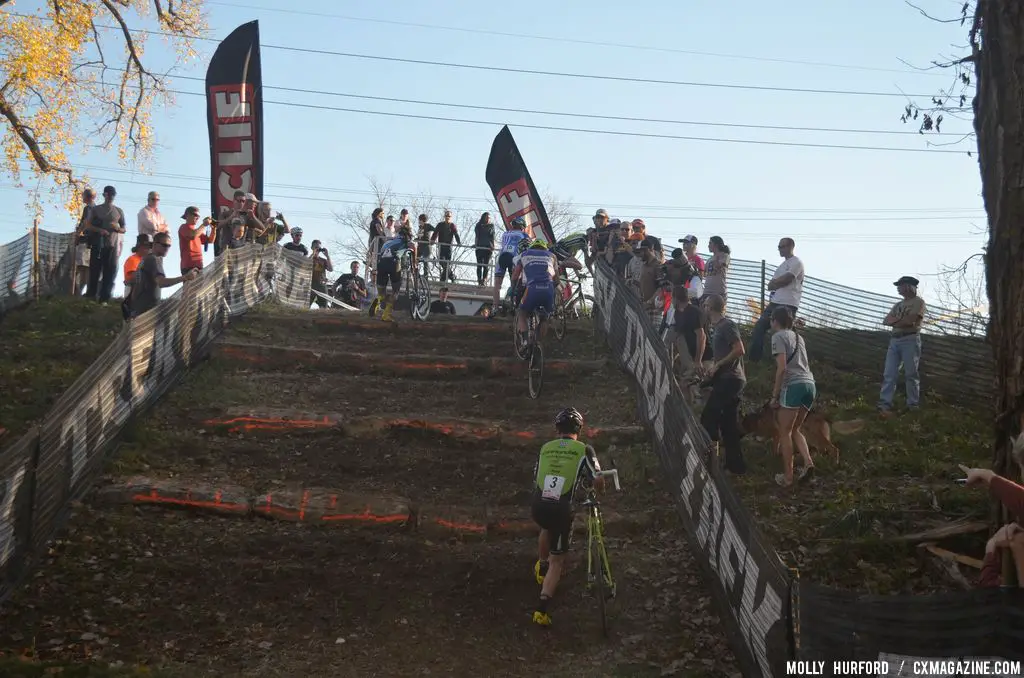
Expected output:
{"points": [[553, 487]]}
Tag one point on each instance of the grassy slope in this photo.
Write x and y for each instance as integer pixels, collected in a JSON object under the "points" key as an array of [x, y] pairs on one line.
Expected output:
{"points": [[895, 477], [46, 347]]}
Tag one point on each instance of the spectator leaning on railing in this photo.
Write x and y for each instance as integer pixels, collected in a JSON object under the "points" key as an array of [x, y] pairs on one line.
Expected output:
{"points": [[150, 278], [786, 288], [143, 247], [905, 319]]}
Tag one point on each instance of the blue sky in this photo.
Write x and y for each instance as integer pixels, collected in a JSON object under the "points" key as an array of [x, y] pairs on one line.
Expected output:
{"points": [[861, 218]]}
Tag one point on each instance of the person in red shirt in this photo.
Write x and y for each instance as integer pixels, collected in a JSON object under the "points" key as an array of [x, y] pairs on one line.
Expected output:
{"points": [[1009, 536], [191, 237]]}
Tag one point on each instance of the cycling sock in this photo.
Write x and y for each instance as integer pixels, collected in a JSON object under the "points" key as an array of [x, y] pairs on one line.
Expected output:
{"points": [[542, 607], [543, 567]]}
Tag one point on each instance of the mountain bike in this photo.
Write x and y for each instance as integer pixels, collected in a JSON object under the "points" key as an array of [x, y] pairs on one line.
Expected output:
{"points": [[531, 350], [599, 570], [576, 305]]}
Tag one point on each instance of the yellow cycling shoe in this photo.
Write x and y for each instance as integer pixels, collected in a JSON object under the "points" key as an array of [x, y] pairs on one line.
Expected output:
{"points": [[541, 618], [539, 572], [386, 316]]}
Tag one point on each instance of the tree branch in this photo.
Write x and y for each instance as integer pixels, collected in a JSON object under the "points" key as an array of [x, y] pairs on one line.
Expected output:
{"points": [[25, 134]]}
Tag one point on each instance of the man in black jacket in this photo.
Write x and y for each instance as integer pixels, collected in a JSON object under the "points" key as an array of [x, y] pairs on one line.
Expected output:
{"points": [[484, 244], [444, 233]]}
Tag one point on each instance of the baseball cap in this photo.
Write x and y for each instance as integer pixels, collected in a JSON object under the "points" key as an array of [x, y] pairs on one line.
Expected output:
{"points": [[251, 196], [190, 210], [614, 222], [908, 280], [109, 190], [601, 213], [689, 239], [639, 222], [142, 240]]}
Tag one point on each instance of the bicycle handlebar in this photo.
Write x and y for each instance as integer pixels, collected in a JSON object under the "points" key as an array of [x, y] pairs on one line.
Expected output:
{"points": [[612, 473]]}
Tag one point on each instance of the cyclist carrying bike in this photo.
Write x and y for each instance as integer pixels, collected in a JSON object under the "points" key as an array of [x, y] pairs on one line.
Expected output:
{"points": [[538, 269], [568, 247], [507, 251], [564, 463], [389, 269]]}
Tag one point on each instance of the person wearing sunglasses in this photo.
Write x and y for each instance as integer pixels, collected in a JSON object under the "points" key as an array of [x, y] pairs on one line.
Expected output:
{"points": [[150, 278]]}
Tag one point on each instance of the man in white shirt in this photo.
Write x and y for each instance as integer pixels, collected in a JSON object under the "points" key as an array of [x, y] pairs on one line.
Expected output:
{"points": [[786, 286], [151, 221]]}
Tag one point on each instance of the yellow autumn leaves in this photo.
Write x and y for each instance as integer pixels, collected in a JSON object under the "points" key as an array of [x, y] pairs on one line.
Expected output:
{"points": [[70, 81]]}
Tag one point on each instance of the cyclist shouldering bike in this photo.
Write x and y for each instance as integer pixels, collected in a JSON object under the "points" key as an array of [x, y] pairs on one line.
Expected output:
{"points": [[564, 464]]}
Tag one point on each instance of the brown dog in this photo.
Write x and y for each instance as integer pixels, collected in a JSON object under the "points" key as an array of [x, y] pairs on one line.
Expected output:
{"points": [[817, 429]]}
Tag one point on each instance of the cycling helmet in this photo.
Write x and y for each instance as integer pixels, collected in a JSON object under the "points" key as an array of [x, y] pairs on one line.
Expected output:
{"points": [[523, 245], [296, 231], [569, 420], [519, 223], [538, 244]]}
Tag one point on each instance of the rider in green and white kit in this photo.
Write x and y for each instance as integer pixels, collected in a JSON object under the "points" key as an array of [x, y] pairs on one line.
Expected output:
{"points": [[563, 464]]}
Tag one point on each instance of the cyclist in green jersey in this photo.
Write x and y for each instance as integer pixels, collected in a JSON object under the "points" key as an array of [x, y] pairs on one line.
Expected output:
{"points": [[571, 245], [564, 463]]}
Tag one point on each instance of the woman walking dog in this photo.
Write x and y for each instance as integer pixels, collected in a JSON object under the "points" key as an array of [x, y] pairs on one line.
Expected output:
{"points": [[792, 395]]}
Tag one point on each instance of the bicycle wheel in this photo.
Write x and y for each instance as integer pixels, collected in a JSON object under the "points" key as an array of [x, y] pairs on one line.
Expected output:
{"points": [[419, 297], [597, 558], [559, 320], [522, 351], [536, 370]]}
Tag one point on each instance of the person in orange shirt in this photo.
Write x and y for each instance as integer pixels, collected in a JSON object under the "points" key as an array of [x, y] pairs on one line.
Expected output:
{"points": [[143, 246], [191, 238]]}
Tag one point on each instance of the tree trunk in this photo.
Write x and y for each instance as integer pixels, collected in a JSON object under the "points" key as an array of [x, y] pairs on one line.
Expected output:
{"points": [[998, 42]]}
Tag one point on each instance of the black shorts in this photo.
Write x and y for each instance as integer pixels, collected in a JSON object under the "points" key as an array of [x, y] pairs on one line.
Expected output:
{"points": [[387, 271], [556, 518], [506, 262]]}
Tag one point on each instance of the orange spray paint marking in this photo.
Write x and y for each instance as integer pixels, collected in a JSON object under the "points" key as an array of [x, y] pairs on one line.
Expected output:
{"points": [[367, 517], [155, 498], [464, 527], [434, 366]]}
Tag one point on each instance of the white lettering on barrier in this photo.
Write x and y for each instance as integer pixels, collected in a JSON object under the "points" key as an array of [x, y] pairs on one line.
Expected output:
{"points": [[11, 486], [716, 534], [104, 401]]}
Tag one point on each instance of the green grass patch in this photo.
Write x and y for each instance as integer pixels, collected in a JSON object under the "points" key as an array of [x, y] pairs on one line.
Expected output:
{"points": [[46, 347], [894, 477]]}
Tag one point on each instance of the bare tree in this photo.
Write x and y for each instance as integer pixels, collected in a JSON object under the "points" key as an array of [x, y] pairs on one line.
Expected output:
{"points": [[563, 220], [354, 237], [961, 299]]}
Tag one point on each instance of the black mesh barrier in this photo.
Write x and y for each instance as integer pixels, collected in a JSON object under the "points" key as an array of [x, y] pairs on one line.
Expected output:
{"points": [[841, 625], [45, 470], [843, 326], [52, 256], [748, 580], [914, 635]]}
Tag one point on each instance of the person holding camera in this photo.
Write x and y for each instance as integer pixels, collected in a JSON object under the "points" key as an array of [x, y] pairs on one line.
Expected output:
{"points": [[350, 287], [321, 266]]}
